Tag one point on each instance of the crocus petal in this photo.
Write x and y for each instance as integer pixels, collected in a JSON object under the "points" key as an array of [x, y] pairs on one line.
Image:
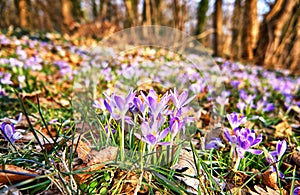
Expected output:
{"points": [[296, 191], [240, 152], [145, 128], [9, 130], [245, 144], [17, 136], [152, 104], [107, 106], [120, 103], [128, 120], [151, 139], [281, 148], [257, 140], [227, 134], [182, 98], [163, 134], [164, 143], [253, 151], [138, 135]]}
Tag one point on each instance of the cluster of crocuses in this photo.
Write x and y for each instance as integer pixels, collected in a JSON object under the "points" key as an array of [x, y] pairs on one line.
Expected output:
{"points": [[241, 139], [159, 117]]}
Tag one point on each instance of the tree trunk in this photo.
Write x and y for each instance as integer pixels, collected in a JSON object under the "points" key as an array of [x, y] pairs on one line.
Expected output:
{"points": [[218, 24], [278, 45], [236, 30], [249, 31], [67, 15], [201, 16], [131, 12], [23, 14], [76, 10]]}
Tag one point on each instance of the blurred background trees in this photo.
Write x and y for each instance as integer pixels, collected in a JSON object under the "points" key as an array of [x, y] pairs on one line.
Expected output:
{"points": [[264, 32]]}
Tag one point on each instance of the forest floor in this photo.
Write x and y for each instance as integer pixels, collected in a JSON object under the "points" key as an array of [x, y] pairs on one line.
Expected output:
{"points": [[76, 120]]}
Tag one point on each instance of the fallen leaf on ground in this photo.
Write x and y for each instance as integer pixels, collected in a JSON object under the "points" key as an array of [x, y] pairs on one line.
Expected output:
{"points": [[96, 162], [260, 191], [269, 178], [12, 173], [283, 129]]}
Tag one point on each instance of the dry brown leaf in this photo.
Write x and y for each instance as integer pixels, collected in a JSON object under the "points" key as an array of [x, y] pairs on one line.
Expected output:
{"points": [[96, 162], [16, 174], [269, 178], [283, 129], [269, 191], [83, 150], [186, 166]]}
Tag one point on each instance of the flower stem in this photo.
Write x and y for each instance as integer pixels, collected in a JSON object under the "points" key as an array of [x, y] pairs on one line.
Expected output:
{"points": [[237, 163], [122, 138]]}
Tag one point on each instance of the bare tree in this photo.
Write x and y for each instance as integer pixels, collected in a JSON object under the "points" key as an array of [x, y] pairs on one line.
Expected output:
{"points": [[68, 19], [236, 30], [23, 13], [218, 24], [201, 16], [249, 31], [278, 45], [131, 12]]}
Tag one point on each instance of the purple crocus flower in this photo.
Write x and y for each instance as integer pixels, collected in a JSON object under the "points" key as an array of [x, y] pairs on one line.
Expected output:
{"points": [[139, 105], [6, 80], [264, 105], [235, 83], [223, 98], [9, 133], [243, 139], [296, 190], [235, 120], [156, 105], [151, 134], [213, 143], [180, 100], [175, 125], [118, 106], [241, 105], [274, 156]]}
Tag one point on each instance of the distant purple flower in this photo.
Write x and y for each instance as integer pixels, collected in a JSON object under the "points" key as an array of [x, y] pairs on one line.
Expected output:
{"points": [[243, 94], [213, 143], [223, 98], [16, 63], [34, 63], [241, 106], [243, 139], [264, 105], [2, 91], [21, 79], [296, 191], [235, 83], [64, 68], [235, 120], [6, 80], [9, 133]]}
